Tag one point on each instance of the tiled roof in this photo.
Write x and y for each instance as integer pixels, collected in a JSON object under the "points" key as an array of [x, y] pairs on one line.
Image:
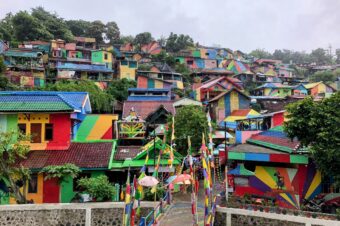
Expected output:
{"points": [[276, 139], [144, 109], [83, 155], [15, 101], [125, 152]]}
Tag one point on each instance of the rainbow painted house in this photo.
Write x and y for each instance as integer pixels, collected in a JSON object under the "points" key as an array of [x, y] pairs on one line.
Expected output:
{"points": [[52, 119], [269, 164]]}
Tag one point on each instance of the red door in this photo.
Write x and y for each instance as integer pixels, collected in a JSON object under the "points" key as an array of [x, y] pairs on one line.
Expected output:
{"points": [[51, 191]]}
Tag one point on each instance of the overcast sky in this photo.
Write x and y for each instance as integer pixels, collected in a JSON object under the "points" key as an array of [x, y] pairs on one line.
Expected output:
{"points": [[236, 24]]}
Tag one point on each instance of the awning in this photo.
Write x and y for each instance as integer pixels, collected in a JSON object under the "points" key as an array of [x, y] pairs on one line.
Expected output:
{"points": [[221, 135], [240, 170]]}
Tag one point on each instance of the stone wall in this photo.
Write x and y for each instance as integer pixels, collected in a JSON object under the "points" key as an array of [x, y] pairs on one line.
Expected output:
{"points": [[60, 217], [90, 214]]}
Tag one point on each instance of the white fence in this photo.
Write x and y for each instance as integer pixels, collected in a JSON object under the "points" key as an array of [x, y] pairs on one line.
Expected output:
{"points": [[298, 219]]}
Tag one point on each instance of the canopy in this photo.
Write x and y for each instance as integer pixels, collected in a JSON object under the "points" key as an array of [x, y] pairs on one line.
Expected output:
{"points": [[240, 170], [221, 135]]}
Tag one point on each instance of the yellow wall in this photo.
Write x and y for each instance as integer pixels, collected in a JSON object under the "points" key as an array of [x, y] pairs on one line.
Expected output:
{"points": [[234, 105], [28, 119], [179, 85], [36, 197], [109, 57], [158, 84], [126, 72]]}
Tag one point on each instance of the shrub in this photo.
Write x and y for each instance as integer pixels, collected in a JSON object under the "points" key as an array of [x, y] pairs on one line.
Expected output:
{"points": [[98, 187]]}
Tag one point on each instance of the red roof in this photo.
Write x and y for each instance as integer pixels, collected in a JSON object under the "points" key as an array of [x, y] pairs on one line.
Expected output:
{"points": [[145, 108], [83, 155], [240, 112]]}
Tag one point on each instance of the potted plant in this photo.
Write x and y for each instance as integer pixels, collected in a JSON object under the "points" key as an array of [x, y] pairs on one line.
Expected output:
{"points": [[261, 209], [266, 209], [284, 211], [296, 213], [314, 215]]}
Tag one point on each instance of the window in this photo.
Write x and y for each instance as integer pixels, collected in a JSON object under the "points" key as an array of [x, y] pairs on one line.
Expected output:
{"points": [[48, 132], [36, 132], [22, 128], [190, 62], [33, 184], [105, 56]]}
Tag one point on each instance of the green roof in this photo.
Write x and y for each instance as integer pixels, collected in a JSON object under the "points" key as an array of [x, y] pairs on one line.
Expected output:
{"points": [[34, 106], [22, 54], [270, 145]]}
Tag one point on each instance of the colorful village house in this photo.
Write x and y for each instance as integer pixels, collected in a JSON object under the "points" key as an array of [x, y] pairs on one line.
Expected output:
{"points": [[127, 69], [280, 170], [212, 88], [285, 73], [316, 89], [146, 82], [25, 66], [203, 75], [273, 89], [240, 69], [51, 118], [265, 70], [75, 61], [163, 72], [152, 48]]}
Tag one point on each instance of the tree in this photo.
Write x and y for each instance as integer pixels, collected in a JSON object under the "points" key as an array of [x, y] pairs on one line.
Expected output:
{"points": [[97, 187], [184, 70], [337, 53], [12, 151], [112, 32], [319, 56], [6, 28], [101, 102], [118, 89], [78, 27], [164, 57], [3, 79], [126, 39], [176, 42], [261, 53], [53, 24], [189, 121], [316, 126], [27, 28], [324, 76], [96, 30], [142, 39], [61, 172]]}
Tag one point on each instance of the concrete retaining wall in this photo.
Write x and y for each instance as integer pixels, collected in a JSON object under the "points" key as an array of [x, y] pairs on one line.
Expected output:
{"points": [[75, 214]]}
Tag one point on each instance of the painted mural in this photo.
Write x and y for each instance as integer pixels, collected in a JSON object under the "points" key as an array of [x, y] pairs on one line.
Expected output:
{"points": [[96, 127], [289, 185]]}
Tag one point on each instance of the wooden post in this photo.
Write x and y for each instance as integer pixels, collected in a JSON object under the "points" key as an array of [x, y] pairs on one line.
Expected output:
{"points": [[228, 219], [226, 183]]}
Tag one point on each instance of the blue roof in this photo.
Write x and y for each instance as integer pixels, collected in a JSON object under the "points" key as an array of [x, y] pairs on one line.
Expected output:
{"points": [[149, 89], [79, 101], [83, 67]]}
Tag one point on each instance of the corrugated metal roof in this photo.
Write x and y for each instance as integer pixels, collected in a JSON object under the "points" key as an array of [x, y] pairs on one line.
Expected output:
{"points": [[83, 67], [22, 54]]}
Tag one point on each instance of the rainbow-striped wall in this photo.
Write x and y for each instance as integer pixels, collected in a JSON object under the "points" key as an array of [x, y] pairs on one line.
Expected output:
{"points": [[96, 127], [303, 182]]}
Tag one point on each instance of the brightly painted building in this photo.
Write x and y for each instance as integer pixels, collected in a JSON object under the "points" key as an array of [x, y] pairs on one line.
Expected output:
{"points": [[226, 102], [146, 82], [273, 89], [127, 69], [102, 57], [319, 89], [277, 169]]}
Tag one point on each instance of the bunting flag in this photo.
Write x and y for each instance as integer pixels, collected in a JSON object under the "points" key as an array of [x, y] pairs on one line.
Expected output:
{"points": [[193, 181], [171, 142], [127, 209]]}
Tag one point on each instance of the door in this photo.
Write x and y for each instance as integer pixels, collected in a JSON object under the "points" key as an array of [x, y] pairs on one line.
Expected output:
{"points": [[36, 132], [51, 191]]}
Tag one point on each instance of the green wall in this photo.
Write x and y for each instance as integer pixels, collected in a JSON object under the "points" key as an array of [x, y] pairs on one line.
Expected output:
{"points": [[97, 57], [66, 187]]}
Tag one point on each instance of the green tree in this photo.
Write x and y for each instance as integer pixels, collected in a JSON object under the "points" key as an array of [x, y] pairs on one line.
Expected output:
{"points": [[316, 126], [176, 42], [164, 57], [3, 79], [6, 28], [337, 54], [97, 30], [53, 24], [118, 89], [27, 28], [320, 56], [261, 53], [189, 121], [97, 187], [101, 102], [12, 151], [78, 27], [184, 70], [126, 39], [142, 39], [61, 172], [325, 76], [112, 32]]}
